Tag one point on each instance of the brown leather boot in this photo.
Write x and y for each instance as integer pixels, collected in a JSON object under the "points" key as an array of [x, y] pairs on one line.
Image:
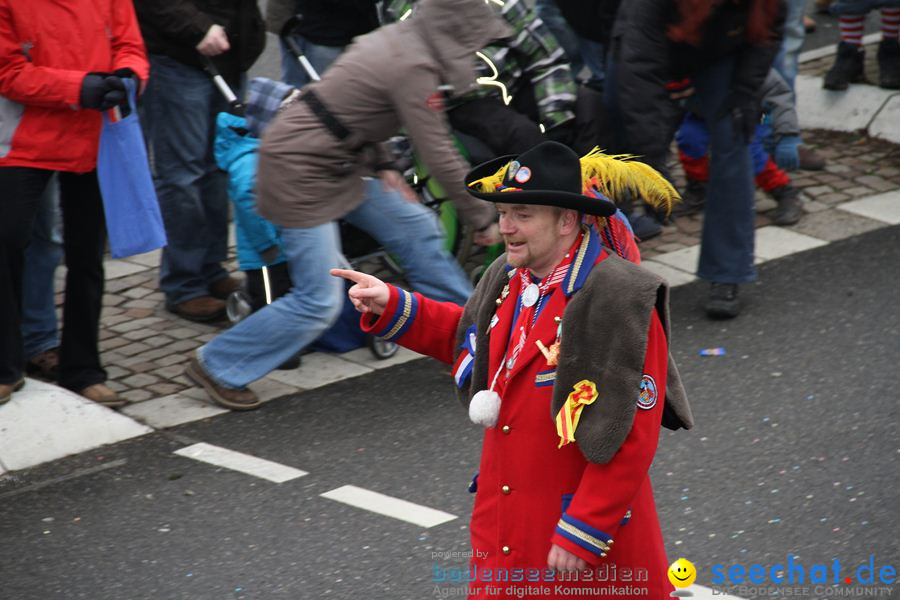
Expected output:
{"points": [[45, 364], [234, 399], [223, 288], [202, 309], [101, 394], [7, 389]]}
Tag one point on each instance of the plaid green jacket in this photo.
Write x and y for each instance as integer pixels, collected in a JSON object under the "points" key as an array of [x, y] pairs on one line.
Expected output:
{"points": [[532, 56]]}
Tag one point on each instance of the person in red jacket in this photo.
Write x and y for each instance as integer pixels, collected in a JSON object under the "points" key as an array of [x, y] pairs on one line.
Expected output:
{"points": [[562, 354], [61, 64]]}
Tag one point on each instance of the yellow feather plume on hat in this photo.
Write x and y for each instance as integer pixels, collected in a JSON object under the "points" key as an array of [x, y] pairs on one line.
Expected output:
{"points": [[613, 175], [490, 183], [617, 174]]}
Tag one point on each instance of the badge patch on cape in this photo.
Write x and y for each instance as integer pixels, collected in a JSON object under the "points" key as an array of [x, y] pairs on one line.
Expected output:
{"points": [[648, 394]]}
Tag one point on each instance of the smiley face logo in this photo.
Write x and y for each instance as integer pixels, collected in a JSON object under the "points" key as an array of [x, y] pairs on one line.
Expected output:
{"points": [[682, 573]]}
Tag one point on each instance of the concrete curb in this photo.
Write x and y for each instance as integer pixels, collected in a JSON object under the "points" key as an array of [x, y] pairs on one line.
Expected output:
{"points": [[45, 422], [861, 107]]}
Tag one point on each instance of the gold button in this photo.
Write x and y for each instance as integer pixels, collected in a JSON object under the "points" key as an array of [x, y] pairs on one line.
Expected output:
{"points": [[505, 429], [505, 489], [506, 550]]}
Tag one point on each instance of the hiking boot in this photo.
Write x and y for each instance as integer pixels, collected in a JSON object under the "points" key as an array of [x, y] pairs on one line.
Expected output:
{"points": [[7, 389], [789, 208], [231, 398], [224, 287], [889, 64], [101, 394], [45, 364], [202, 310], [810, 160], [847, 67], [723, 302], [692, 200]]}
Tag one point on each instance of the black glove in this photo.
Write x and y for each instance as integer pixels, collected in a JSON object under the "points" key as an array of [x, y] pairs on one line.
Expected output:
{"points": [[101, 91], [93, 88], [746, 113], [116, 93], [126, 73]]}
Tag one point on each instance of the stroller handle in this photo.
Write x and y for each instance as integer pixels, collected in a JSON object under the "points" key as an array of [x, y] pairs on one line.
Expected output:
{"points": [[235, 106], [287, 37]]}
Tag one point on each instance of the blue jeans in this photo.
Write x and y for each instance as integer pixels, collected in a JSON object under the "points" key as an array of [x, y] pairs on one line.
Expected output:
{"points": [[580, 51], [271, 335], [860, 7], [726, 250], [786, 60], [570, 41], [181, 105], [39, 326], [320, 57]]}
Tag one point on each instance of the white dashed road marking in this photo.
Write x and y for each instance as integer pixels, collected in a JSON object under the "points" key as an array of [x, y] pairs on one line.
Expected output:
{"points": [[244, 463], [389, 506]]}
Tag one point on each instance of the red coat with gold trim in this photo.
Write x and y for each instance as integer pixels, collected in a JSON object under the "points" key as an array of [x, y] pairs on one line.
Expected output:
{"points": [[530, 492]]}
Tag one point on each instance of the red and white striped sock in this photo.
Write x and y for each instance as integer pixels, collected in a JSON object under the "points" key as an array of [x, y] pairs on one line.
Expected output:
{"points": [[852, 28], [890, 23]]}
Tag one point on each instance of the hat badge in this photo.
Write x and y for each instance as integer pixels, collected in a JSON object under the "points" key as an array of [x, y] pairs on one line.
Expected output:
{"points": [[523, 174], [512, 170]]}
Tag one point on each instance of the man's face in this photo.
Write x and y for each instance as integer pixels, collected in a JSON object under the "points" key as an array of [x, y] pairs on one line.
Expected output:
{"points": [[535, 236]]}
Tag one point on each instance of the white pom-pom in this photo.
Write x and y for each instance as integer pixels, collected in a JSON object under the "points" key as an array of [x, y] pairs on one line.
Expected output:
{"points": [[484, 409]]}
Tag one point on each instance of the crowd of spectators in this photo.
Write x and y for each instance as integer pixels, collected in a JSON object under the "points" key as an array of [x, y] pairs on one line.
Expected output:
{"points": [[630, 77]]}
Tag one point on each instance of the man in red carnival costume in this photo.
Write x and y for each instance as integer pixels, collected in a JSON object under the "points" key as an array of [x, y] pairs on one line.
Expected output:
{"points": [[562, 354]]}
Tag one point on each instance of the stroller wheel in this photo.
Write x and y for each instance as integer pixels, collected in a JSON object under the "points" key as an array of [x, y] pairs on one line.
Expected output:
{"points": [[382, 349], [237, 306]]}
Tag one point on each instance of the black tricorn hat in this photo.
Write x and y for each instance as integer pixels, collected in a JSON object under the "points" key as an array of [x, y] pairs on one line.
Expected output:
{"points": [[548, 174]]}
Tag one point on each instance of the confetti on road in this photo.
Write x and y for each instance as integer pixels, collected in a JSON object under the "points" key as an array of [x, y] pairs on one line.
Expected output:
{"points": [[712, 351]]}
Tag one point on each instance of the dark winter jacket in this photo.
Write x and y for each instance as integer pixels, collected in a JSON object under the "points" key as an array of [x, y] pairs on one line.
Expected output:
{"points": [[324, 22], [175, 27], [591, 19], [647, 60]]}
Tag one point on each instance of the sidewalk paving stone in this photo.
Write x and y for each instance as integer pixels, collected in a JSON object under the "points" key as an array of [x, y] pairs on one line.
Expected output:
{"points": [[883, 207]]}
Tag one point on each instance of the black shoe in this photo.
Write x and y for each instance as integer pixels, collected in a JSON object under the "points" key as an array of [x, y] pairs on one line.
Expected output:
{"points": [[644, 226], [889, 64], [847, 67], [789, 208], [810, 160], [723, 301], [290, 364], [692, 200]]}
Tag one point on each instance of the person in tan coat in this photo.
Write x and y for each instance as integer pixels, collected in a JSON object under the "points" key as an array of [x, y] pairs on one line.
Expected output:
{"points": [[321, 160]]}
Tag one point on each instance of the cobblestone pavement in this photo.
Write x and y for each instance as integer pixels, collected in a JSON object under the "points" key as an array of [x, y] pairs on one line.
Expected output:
{"points": [[145, 348]]}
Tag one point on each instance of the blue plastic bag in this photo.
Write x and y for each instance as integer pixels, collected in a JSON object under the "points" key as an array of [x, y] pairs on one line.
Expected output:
{"points": [[133, 220]]}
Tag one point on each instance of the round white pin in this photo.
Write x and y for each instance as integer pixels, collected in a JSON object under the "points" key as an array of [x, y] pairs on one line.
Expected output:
{"points": [[530, 295]]}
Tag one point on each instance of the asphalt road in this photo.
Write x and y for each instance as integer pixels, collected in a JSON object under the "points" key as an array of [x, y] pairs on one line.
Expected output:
{"points": [[795, 452]]}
